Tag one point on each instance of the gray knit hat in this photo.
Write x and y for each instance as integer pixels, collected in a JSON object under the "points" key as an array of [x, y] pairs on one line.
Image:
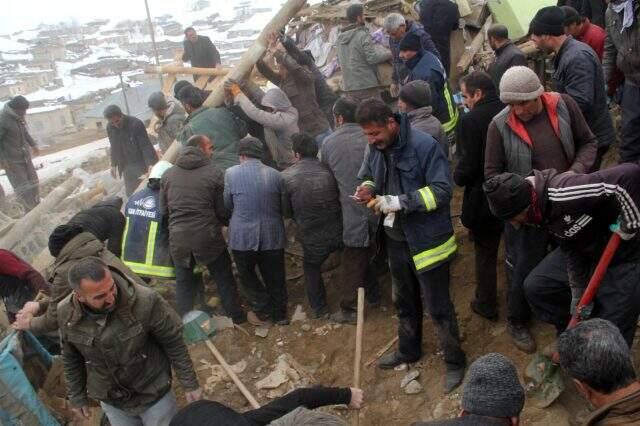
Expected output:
{"points": [[416, 93], [520, 84], [251, 147], [493, 388], [157, 101]]}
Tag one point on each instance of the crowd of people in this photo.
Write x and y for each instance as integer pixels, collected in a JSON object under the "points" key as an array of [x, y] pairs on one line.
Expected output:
{"points": [[349, 174]]}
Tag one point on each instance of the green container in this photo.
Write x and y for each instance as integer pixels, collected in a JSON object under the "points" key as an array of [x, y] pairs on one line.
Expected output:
{"points": [[516, 15]]}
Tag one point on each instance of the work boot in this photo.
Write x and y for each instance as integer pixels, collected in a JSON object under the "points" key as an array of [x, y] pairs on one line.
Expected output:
{"points": [[521, 337], [490, 314], [452, 379], [344, 317], [320, 314], [393, 359]]}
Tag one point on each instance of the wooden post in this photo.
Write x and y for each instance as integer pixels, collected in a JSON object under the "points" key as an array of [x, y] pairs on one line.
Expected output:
{"points": [[476, 44], [180, 69], [358, 357]]}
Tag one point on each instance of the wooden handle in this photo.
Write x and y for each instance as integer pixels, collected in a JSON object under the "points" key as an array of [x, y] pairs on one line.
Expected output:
{"points": [[358, 357], [233, 375]]}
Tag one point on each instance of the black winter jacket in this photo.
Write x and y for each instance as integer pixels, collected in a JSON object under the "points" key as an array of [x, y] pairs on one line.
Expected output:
{"points": [[507, 56], [439, 18], [105, 221], [131, 145], [201, 54]]}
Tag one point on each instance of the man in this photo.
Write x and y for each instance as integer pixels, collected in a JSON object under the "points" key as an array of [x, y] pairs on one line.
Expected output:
{"points": [[218, 124], [311, 194], [621, 51], [295, 408], [297, 82], [440, 18], [132, 153], [343, 152], [255, 194], [145, 247], [120, 340], [16, 148], [19, 283], [577, 73], [507, 54], [359, 57], [105, 221], [579, 27], [415, 100], [594, 10], [577, 210], [492, 395], [425, 66], [397, 27], [536, 130], [191, 198], [595, 356], [170, 117], [200, 51], [480, 97], [406, 178]]}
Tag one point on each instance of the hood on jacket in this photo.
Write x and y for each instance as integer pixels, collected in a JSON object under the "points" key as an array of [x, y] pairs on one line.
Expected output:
{"points": [[115, 202], [418, 113], [348, 32], [80, 246], [276, 99], [10, 111], [191, 157], [174, 108]]}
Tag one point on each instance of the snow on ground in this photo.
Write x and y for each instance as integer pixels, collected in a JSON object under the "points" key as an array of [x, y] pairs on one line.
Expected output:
{"points": [[56, 164]]}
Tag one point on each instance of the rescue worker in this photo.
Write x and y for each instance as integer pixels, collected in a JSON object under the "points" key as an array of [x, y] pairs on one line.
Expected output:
{"points": [[406, 177], [145, 247], [578, 211]]}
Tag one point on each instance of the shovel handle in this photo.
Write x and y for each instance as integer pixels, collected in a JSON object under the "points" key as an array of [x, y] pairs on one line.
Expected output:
{"points": [[358, 354], [596, 278]]}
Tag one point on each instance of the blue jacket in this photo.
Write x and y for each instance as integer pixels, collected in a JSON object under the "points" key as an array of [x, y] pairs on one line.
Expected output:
{"points": [[145, 243], [399, 69], [424, 176], [427, 67]]}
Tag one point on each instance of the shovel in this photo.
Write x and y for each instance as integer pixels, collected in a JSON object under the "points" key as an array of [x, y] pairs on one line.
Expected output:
{"points": [[545, 382]]}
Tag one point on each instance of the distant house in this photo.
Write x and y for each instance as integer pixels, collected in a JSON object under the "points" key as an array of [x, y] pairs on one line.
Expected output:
{"points": [[48, 51], [10, 88], [136, 99], [172, 28], [23, 83], [48, 121]]}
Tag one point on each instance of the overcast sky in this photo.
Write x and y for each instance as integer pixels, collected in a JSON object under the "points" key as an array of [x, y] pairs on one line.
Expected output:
{"points": [[26, 14]]}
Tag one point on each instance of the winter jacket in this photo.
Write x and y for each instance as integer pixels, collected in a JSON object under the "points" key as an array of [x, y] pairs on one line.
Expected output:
{"points": [[15, 140], [123, 358], [169, 127], [224, 129], [439, 18], [255, 193], [145, 247], [343, 151], [359, 57], [81, 246], [471, 141], [299, 86], [423, 173], [423, 120], [593, 36], [595, 11], [507, 56], [312, 197], [622, 48], [130, 145], [201, 54], [191, 200], [13, 269], [105, 221], [577, 209], [426, 67], [279, 125], [625, 411], [578, 73], [399, 69]]}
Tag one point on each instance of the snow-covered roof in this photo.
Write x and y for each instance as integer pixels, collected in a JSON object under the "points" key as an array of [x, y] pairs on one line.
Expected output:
{"points": [[12, 46], [38, 110]]}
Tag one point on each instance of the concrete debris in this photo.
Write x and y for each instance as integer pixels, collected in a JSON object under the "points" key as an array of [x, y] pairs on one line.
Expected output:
{"points": [[299, 314], [401, 367], [217, 374], [411, 375], [287, 370], [262, 331], [276, 393], [323, 331], [306, 327], [221, 322], [412, 388]]}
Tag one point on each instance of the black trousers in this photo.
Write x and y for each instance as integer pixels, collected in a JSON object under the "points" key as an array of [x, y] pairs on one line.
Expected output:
{"points": [[268, 300], [412, 294], [525, 248], [630, 132], [486, 245], [24, 180], [313, 282], [617, 300], [357, 270], [222, 275]]}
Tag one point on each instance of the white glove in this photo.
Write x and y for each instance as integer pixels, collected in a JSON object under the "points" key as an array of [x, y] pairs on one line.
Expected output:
{"points": [[394, 90], [388, 204]]}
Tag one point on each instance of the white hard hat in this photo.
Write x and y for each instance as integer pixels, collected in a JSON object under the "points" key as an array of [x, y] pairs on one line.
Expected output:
{"points": [[159, 168]]}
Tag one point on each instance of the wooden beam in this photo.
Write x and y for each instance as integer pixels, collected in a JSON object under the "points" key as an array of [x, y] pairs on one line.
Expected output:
{"points": [[476, 44], [179, 69]]}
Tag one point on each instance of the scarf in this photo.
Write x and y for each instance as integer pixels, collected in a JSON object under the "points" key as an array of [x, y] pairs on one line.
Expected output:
{"points": [[627, 7]]}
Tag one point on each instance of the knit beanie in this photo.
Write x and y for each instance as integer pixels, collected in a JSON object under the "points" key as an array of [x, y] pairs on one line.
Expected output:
{"points": [[19, 102], [416, 93], [520, 84], [157, 101], [251, 147], [204, 413], [411, 42], [493, 388], [508, 195], [179, 86], [61, 236], [548, 21]]}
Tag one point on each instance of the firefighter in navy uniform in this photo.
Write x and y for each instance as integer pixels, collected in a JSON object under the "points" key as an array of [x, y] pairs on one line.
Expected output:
{"points": [[145, 246]]}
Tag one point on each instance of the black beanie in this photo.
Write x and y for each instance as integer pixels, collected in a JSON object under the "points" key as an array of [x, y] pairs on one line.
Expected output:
{"points": [[19, 102], [508, 195], [548, 21], [412, 42], [179, 86], [416, 93], [251, 147], [204, 413], [61, 236]]}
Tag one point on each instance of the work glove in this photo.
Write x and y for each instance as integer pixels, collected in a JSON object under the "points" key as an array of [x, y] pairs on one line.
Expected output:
{"points": [[385, 204], [394, 90], [621, 228]]}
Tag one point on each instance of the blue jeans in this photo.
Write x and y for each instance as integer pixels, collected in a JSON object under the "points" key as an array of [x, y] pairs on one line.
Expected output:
{"points": [[159, 414]]}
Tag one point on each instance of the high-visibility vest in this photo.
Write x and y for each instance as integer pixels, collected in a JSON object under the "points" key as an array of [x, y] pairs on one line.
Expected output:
{"points": [[145, 243]]}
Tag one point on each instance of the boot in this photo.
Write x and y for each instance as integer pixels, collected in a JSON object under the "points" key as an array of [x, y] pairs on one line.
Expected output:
{"points": [[344, 317], [393, 359], [521, 337], [452, 379]]}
